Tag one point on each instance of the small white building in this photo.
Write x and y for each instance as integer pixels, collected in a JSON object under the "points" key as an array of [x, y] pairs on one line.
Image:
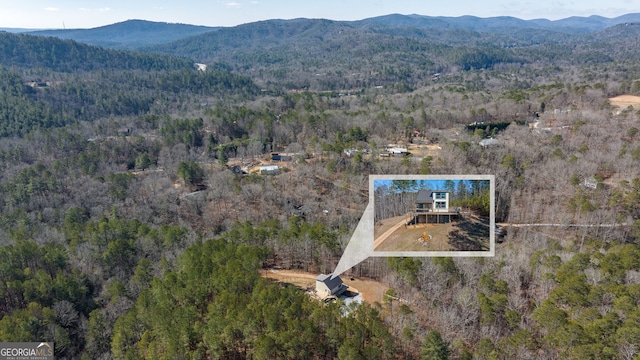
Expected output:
{"points": [[591, 183], [269, 170], [488, 142], [326, 286], [397, 151], [350, 152]]}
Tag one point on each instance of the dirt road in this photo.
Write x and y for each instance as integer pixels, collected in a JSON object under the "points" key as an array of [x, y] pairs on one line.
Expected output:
{"points": [[388, 233]]}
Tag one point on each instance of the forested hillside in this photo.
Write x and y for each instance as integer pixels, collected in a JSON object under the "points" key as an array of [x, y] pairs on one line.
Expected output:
{"points": [[136, 222], [502, 24], [51, 83], [130, 34], [331, 55], [28, 51]]}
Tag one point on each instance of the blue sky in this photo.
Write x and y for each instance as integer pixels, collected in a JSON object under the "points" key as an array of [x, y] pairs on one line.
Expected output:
{"points": [[41, 14]]}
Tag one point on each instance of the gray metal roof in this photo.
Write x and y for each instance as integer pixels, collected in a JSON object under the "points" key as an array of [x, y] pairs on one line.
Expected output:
{"points": [[424, 196], [332, 284]]}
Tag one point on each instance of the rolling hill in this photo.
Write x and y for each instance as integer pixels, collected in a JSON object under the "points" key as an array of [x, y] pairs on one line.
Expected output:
{"points": [[29, 51], [133, 34], [392, 50], [502, 24], [129, 34], [47, 82]]}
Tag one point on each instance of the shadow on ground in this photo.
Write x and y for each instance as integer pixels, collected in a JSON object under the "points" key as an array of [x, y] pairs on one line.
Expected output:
{"points": [[471, 234]]}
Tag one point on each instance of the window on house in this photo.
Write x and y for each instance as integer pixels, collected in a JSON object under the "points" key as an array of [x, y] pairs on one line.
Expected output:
{"points": [[441, 195], [441, 205]]}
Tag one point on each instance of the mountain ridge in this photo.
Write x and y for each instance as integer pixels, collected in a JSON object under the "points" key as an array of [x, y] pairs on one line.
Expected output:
{"points": [[135, 34], [329, 54], [129, 34], [574, 24]]}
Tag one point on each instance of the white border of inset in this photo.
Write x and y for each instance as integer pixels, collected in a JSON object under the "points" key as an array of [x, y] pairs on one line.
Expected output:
{"points": [[492, 218]]}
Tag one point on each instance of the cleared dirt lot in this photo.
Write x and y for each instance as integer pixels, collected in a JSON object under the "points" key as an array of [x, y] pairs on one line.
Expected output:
{"points": [[468, 234], [419, 150], [624, 101], [371, 290]]}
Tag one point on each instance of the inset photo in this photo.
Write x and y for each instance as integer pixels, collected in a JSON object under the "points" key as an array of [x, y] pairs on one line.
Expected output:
{"points": [[434, 215]]}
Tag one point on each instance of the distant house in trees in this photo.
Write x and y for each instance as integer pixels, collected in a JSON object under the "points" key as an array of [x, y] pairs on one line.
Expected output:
{"points": [[326, 286], [350, 152], [488, 142], [397, 151], [281, 157], [237, 170], [591, 183], [432, 206], [269, 170]]}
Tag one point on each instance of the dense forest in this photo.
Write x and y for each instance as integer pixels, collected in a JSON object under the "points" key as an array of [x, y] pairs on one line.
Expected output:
{"points": [[135, 221]]}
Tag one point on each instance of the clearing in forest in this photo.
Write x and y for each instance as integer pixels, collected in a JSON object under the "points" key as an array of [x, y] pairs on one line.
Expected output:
{"points": [[470, 233], [420, 151], [624, 101], [370, 290]]}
